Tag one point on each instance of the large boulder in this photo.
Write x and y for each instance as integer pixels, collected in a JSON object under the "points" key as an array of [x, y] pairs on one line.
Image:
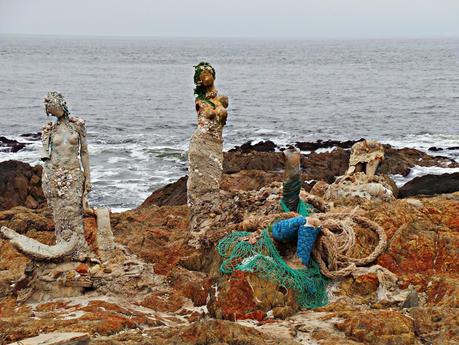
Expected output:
{"points": [[20, 185], [253, 160], [431, 185]]}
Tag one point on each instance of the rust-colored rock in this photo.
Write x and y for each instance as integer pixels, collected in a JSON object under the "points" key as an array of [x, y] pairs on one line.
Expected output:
{"points": [[379, 327], [436, 325], [82, 269], [246, 296]]}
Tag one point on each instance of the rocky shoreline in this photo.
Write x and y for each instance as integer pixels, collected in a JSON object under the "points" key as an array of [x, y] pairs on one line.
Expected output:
{"points": [[191, 302]]}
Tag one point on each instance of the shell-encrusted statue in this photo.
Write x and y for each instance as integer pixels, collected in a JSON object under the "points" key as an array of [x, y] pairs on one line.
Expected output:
{"points": [[205, 153], [66, 182]]}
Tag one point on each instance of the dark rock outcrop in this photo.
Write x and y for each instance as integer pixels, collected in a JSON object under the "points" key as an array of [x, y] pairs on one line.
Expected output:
{"points": [[32, 136], [431, 185], [262, 146], [250, 169], [172, 194], [236, 161], [20, 185], [325, 166], [10, 145], [320, 144], [400, 161]]}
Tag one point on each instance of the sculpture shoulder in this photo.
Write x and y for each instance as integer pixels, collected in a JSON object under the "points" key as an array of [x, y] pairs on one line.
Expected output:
{"points": [[223, 101], [201, 104], [79, 124], [47, 128], [77, 121]]}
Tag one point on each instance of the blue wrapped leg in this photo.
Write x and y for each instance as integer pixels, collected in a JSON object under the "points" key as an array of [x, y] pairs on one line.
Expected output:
{"points": [[307, 236], [287, 230]]}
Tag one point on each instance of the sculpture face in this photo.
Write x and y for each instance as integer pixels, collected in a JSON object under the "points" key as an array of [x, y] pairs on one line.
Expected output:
{"points": [[207, 79], [54, 110], [55, 104]]}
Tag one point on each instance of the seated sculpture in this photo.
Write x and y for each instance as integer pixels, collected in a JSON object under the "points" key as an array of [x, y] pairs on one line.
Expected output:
{"points": [[366, 156], [361, 180]]}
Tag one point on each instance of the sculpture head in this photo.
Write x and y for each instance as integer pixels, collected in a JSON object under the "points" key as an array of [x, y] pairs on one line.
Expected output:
{"points": [[56, 105], [204, 77]]}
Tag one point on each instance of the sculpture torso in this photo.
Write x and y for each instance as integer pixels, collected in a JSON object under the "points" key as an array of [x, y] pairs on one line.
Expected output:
{"points": [[212, 118], [64, 143]]}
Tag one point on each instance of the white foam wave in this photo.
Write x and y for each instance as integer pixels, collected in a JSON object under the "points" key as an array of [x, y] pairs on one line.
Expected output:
{"points": [[325, 149], [425, 141]]}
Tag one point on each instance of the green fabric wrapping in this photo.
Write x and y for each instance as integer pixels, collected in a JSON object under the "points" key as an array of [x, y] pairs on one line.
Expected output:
{"points": [[290, 193], [303, 208]]}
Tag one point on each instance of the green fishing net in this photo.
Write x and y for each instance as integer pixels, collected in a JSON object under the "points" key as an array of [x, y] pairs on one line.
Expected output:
{"points": [[264, 259]]}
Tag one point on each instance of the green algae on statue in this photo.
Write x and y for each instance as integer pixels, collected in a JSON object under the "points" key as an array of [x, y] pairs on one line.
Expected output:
{"points": [[66, 183], [205, 153]]}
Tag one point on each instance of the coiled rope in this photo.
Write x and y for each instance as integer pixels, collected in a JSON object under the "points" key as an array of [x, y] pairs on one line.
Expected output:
{"points": [[333, 247]]}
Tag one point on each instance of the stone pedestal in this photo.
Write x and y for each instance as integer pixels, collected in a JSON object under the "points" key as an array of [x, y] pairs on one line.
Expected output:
{"points": [[105, 239]]}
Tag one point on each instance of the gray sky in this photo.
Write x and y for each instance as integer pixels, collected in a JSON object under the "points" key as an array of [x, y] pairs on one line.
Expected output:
{"points": [[238, 18]]}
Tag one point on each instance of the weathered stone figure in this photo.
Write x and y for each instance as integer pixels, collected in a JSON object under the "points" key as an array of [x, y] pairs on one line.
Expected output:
{"points": [[360, 180], [205, 153], [366, 155], [66, 182]]}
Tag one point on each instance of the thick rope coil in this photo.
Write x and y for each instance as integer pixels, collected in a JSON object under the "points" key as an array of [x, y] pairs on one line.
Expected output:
{"points": [[336, 241]]}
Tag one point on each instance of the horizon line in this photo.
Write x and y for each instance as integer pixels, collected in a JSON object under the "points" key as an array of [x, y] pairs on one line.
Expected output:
{"points": [[248, 37]]}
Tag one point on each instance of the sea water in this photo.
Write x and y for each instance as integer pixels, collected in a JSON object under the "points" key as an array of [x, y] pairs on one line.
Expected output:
{"points": [[136, 96]]}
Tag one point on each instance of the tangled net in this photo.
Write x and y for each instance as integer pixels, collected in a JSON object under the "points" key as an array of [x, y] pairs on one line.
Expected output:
{"points": [[263, 258], [331, 254]]}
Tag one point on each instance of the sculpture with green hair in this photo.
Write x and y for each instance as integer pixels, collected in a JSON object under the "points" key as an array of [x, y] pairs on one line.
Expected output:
{"points": [[205, 154]]}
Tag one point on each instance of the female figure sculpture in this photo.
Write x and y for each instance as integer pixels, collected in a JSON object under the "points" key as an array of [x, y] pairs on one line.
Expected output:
{"points": [[65, 181], [66, 176], [205, 153]]}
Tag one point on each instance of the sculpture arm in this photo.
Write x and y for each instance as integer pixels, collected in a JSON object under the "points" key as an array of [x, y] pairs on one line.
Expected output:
{"points": [[45, 140], [85, 155]]}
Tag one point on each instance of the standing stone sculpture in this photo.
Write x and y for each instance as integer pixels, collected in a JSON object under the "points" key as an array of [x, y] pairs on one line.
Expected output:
{"points": [[205, 153], [66, 183]]}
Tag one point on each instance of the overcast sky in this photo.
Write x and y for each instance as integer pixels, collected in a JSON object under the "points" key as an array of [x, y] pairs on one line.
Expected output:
{"points": [[236, 18]]}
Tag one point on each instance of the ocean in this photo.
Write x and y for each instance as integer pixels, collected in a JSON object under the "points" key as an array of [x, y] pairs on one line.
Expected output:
{"points": [[136, 96]]}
